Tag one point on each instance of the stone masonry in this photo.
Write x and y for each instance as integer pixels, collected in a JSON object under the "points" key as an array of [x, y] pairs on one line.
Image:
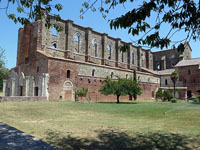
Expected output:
{"points": [[54, 64]]}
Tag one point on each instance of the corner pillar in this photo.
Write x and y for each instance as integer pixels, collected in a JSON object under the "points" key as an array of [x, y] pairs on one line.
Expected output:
{"points": [[4, 87]]}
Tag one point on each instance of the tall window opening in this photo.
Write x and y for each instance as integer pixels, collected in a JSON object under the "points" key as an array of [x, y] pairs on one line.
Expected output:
{"points": [[54, 32], [133, 58], [36, 91], [112, 75], [77, 42], [54, 45], [38, 69], [93, 72], [158, 66], [21, 90], [122, 54], [95, 47], [189, 72], [68, 73], [109, 47], [142, 63], [166, 83]]}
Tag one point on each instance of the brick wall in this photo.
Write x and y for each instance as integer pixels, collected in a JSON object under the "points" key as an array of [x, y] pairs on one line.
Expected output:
{"points": [[189, 75], [58, 78]]}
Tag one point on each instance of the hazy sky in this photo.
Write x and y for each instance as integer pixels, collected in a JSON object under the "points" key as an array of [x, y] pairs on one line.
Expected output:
{"points": [[71, 10]]}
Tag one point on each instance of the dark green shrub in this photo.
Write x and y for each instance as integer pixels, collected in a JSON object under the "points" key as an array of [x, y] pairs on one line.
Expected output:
{"points": [[173, 100], [198, 97], [82, 92], [159, 94], [195, 101], [167, 95]]}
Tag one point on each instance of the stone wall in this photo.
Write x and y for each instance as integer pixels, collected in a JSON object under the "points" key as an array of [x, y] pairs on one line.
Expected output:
{"points": [[167, 59], [21, 85], [22, 98], [84, 44]]}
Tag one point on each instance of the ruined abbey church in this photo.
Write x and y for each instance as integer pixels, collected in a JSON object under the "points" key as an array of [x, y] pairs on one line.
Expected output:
{"points": [[52, 66]]}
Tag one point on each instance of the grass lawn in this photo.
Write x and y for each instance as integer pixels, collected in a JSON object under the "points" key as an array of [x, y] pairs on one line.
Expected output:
{"points": [[102, 126]]}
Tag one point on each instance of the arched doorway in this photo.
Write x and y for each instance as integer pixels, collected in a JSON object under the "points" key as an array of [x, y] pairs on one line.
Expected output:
{"points": [[68, 90]]}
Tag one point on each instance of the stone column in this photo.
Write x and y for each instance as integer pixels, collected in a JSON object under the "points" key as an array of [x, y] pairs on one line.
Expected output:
{"points": [[31, 86], [45, 85], [4, 87], [27, 86], [69, 24], [129, 55], [139, 56], [104, 47], [40, 85], [88, 44], [117, 51], [88, 41], [13, 87]]}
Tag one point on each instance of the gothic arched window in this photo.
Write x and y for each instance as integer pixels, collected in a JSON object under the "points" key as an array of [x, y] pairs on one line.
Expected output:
{"points": [[77, 42], [109, 47], [54, 31], [94, 43], [133, 58], [68, 73], [93, 72]]}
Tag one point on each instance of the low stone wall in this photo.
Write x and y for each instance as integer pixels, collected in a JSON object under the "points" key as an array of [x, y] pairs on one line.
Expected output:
{"points": [[22, 98]]}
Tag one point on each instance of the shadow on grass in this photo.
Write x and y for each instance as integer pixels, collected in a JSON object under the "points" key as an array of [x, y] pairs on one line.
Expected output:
{"points": [[117, 103], [110, 140]]}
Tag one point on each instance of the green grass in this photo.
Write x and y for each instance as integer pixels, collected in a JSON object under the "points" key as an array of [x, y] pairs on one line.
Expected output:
{"points": [[70, 125]]}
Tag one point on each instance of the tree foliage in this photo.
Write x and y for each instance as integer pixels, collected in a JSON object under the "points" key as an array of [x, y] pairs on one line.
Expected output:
{"points": [[82, 92], [132, 88], [167, 95], [29, 10], [120, 87], [3, 70], [174, 77], [159, 94], [179, 15], [113, 87]]}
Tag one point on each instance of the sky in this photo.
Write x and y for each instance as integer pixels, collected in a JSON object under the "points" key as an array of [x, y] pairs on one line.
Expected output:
{"points": [[71, 10]]}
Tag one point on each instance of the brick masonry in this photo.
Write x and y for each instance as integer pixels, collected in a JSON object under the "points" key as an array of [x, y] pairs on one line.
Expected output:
{"points": [[44, 60]]}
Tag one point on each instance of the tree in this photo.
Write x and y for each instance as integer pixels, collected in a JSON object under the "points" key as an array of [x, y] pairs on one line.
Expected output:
{"points": [[120, 87], [174, 77], [134, 75], [29, 10], [113, 87], [135, 79], [132, 88], [179, 15], [81, 92], [159, 94], [167, 95], [3, 69]]}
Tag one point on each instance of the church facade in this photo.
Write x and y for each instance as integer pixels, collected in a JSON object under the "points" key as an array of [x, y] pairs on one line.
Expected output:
{"points": [[52, 66]]}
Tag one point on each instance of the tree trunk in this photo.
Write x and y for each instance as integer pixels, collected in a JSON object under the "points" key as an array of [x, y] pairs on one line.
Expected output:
{"points": [[174, 90], [135, 97], [118, 98], [130, 98]]}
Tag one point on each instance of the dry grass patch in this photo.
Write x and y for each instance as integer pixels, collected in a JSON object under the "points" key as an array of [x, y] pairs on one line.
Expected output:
{"points": [[97, 125]]}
